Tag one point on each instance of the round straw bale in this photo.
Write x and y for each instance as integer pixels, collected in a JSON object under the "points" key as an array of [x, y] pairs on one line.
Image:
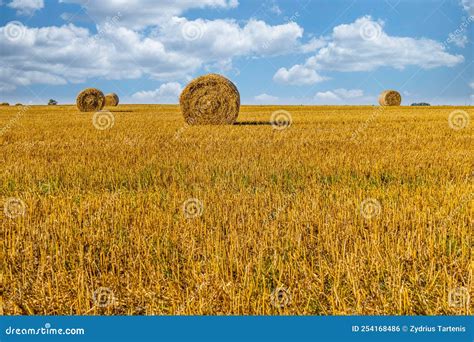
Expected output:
{"points": [[90, 100], [390, 98], [210, 100], [111, 99]]}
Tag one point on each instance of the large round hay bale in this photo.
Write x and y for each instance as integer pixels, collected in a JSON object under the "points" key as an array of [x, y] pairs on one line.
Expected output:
{"points": [[90, 100], [210, 100], [390, 98], [111, 99]]}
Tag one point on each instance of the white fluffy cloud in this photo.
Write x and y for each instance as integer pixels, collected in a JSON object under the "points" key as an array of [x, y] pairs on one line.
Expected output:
{"points": [[364, 46], [349, 94], [222, 39], [297, 75], [265, 99], [166, 93], [56, 55], [26, 7], [326, 95], [168, 52], [459, 40], [138, 14], [340, 94]]}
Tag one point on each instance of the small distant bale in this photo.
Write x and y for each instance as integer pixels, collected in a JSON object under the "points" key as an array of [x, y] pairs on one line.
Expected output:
{"points": [[390, 98], [90, 100], [4, 104], [420, 104], [52, 102], [111, 99], [210, 100]]}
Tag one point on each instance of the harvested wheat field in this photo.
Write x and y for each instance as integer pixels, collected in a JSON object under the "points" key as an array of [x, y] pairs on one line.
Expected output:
{"points": [[349, 210]]}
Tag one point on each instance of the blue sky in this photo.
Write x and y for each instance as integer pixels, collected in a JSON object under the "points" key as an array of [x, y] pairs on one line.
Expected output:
{"points": [[276, 51]]}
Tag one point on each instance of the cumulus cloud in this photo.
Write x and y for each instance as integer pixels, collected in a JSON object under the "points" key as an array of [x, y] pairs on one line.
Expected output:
{"points": [[364, 46], [313, 45], [349, 94], [166, 93], [340, 94], [74, 54], [275, 9], [297, 75], [138, 14], [350, 50], [265, 98], [222, 39], [459, 40], [26, 7]]}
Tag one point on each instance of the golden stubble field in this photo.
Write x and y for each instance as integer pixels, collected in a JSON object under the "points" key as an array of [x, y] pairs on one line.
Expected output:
{"points": [[350, 210]]}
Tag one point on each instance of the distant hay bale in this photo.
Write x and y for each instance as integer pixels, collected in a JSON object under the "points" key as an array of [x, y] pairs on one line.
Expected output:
{"points": [[4, 104], [111, 99], [210, 100], [90, 100], [390, 98]]}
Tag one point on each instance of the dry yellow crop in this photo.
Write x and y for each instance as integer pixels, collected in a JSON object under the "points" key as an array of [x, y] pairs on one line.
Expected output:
{"points": [[330, 210]]}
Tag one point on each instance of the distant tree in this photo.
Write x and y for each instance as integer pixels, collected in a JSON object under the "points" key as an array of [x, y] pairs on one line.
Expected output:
{"points": [[420, 104], [52, 102]]}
